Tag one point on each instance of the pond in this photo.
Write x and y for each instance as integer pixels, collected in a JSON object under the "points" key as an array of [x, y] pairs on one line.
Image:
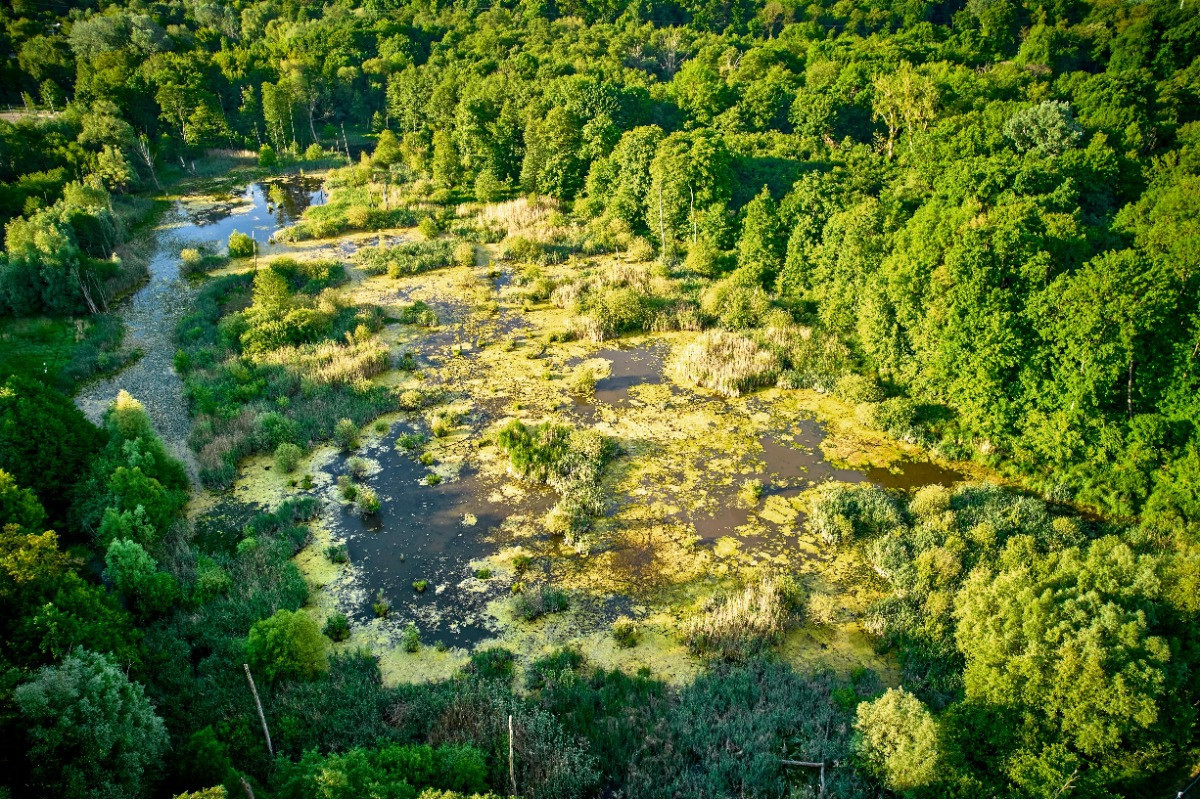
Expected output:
{"points": [[426, 532]]}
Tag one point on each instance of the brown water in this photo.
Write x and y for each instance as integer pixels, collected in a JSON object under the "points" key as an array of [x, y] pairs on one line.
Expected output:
{"points": [[630, 367]]}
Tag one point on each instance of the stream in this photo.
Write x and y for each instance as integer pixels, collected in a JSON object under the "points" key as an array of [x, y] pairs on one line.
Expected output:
{"points": [[152, 312]]}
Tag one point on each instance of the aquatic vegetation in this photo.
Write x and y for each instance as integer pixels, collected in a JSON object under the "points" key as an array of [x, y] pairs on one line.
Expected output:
{"points": [[366, 501], [358, 467], [337, 627], [740, 625], [381, 606], [533, 603], [420, 585], [410, 638], [625, 632], [337, 553], [728, 363]]}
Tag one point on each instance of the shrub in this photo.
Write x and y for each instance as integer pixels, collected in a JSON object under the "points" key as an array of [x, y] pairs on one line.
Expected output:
{"points": [[702, 259], [739, 626], [345, 432], [358, 467], [464, 254], [346, 487], [539, 601], [735, 305], [493, 663], [420, 585], [843, 512], [858, 388], [240, 245], [410, 638], [266, 156], [337, 553], [418, 314], [337, 627], [287, 456], [728, 363], [625, 632], [381, 606], [288, 644], [314, 152], [429, 227], [367, 501]]}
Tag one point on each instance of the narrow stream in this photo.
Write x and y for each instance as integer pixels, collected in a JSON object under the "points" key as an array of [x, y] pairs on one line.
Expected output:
{"points": [[152, 312]]}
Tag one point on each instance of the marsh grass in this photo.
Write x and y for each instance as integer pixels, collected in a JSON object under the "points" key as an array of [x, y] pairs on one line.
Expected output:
{"points": [[533, 603], [728, 363], [741, 625]]}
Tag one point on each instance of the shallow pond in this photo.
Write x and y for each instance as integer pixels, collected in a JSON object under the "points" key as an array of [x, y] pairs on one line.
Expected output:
{"points": [[431, 533]]}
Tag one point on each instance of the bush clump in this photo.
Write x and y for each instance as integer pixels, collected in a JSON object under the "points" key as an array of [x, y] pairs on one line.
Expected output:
{"points": [[287, 456], [240, 245], [337, 627], [739, 626], [842, 512], [728, 363], [539, 601]]}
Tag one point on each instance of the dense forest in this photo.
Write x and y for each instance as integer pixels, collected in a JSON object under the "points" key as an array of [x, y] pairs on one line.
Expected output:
{"points": [[977, 223]]}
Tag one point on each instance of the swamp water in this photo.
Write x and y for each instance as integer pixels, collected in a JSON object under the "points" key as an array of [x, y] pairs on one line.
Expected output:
{"points": [[152, 312], [436, 532]]}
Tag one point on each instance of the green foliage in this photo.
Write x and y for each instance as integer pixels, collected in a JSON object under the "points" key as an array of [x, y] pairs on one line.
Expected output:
{"points": [[288, 644], [337, 627], [287, 456], [898, 740], [45, 441], [240, 245], [92, 732], [842, 513], [134, 574], [741, 625], [533, 603]]}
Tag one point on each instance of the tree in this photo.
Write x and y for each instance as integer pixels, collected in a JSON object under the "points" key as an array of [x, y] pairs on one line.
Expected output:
{"points": [[46, 443], [690, 177], [1048, 127], [387, 150], [1064, 639], [905, 98], [898, 740], [92, 732], [447, 170], [760, 248], [133, 574], [19, 506], [287, 645]]}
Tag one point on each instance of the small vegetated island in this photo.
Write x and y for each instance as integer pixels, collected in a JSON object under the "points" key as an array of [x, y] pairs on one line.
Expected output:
{"points": [[660, 399]]}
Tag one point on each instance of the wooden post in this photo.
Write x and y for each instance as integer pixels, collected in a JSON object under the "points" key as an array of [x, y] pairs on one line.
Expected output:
{"points": [[258, 704], [512, 774]]}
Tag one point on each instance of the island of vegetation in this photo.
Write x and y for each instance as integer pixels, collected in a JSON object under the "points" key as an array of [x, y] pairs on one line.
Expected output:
{"points": [[441, 399]]}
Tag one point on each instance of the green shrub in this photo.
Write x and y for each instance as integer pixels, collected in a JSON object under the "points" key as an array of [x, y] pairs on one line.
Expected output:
{"points": [[337, 553], [625, 632], [842, 512], [358, 467], [429, 227], [367, 501], [410, 638], [266, 156], [288, 644], [539, 601], [728, 363], [420, 585], [492, 663], [287, 456], [345, 432], [381, 606], [240, 245], [337, 627]]}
